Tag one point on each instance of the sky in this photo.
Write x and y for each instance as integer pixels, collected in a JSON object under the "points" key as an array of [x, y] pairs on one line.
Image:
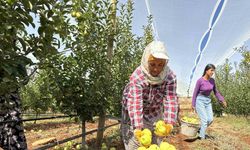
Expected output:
{"points": [[181, 24]]}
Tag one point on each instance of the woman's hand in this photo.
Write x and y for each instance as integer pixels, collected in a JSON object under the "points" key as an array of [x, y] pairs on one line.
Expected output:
{"points": [[224, 104], [193, 109], [138, 134]]}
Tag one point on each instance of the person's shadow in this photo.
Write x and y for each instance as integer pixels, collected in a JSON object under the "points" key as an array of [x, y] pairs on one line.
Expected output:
{"points": [[192, 139]]}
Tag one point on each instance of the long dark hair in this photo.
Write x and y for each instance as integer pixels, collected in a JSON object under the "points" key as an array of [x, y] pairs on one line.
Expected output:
{"points": [[208, 66]]}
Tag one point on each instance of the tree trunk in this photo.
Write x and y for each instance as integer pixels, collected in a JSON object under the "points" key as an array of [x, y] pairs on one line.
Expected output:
{"points": [[112, 17], [36, 117], [83, 133], [102, 116], [101, 125]]}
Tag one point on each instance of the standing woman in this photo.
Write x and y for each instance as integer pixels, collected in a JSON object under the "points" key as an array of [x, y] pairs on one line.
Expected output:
{"points": [[149, 96], [201, 101]]}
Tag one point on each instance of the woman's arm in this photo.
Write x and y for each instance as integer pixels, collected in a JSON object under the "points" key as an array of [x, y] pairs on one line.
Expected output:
{"points": [[195, 93], [219, 96], [170, 102], [135, 105], [217, 93]]}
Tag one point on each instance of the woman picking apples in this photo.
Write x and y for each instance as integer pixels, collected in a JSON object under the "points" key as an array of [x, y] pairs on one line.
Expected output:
{"points": [[201, 101], [149, 96]]}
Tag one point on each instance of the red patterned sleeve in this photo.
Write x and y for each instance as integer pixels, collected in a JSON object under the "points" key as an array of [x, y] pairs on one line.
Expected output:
{"points": [[170, 101], [135, 105]]}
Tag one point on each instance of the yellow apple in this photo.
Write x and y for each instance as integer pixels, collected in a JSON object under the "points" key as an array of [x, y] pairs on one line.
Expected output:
{"points": [[69, 144], [138, 133], [66, 148], [78, 146], [145, 140], [169, 128], [158, 133], [78, 14], [56, 147], [164, 146], [146, 132], [104, 146], [142, 148], [171, 147], [162, 129], [159, 123], [73, 13], [154, 147]]}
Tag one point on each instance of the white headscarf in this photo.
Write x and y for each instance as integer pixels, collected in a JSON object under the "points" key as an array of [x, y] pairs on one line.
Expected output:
{"points": [[158, 50]]}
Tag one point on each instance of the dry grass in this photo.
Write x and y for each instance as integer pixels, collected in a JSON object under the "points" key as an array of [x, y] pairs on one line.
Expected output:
{"points": [[229, 132]]}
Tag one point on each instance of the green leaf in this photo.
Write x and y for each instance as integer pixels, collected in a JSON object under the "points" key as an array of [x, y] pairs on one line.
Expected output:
{"points": [[30, 5], [22, 43], [50, 13], [8, 68], [41, 30], [26, 4], [21, 70]]}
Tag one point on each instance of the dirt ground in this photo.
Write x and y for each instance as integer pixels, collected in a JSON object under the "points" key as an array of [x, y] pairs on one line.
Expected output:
{"points": [[61, 129], [226, 133]]}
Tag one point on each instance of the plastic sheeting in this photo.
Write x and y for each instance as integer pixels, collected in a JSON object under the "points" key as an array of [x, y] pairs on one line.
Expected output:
{"points": [[196, 32]]}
